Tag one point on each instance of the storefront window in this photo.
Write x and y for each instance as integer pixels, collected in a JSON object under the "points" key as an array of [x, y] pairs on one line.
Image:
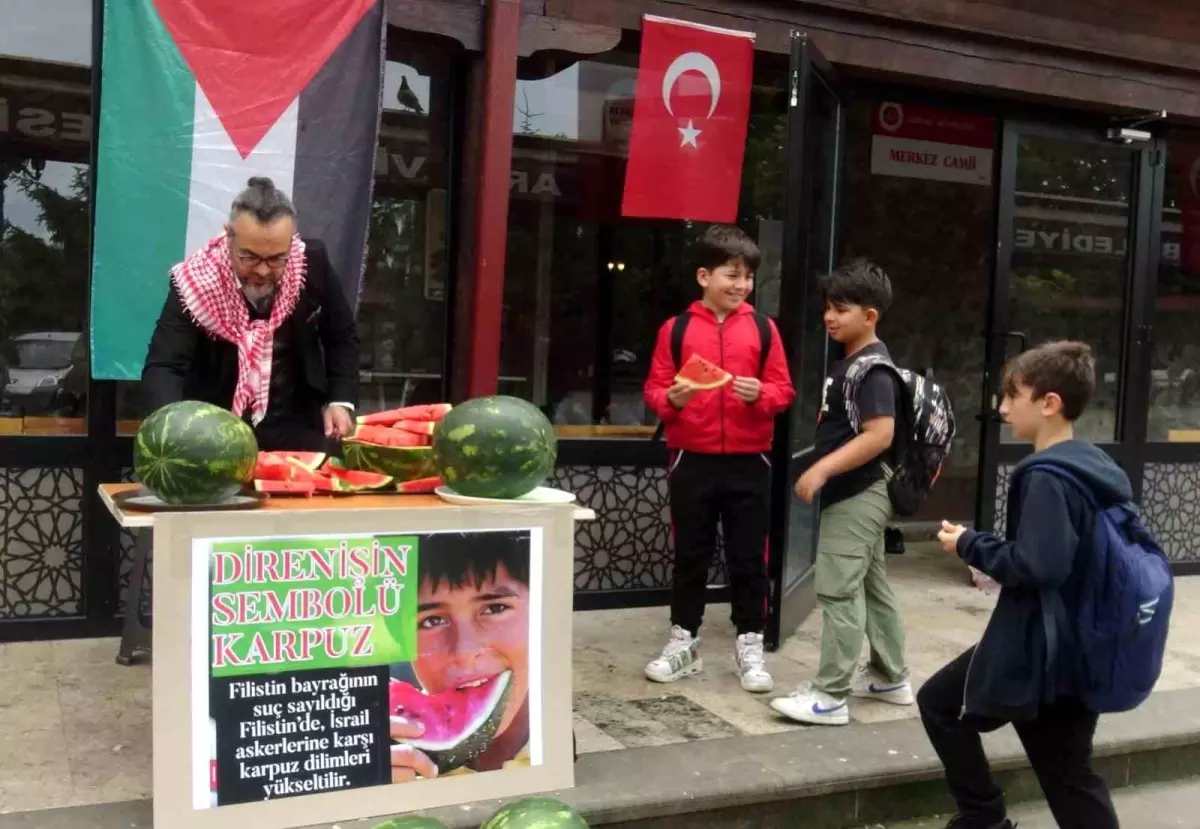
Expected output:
{"points": [[402, 304], [585, 289], [45, 132], [1175, 367]]}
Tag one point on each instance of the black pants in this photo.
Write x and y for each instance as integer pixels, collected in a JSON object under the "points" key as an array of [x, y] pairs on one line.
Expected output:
{"points": [[1058, 744], [734, 490]]}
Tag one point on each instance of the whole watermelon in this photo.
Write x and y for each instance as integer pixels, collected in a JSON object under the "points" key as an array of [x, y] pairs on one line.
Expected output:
{"points": [[494, 447], [415, 822], [194, 453], [535, 813]]}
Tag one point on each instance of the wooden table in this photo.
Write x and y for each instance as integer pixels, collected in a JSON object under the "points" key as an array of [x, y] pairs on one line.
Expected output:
{"points": [[212, 666]]}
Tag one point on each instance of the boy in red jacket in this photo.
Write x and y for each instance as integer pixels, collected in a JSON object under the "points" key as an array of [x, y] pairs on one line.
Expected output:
{"points": [[718, 443]]}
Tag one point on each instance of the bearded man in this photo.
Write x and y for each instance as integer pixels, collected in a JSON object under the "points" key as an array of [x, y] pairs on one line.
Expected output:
{"points": [[256, 322]]}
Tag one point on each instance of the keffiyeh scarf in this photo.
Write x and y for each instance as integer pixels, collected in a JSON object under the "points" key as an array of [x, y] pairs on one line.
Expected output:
{"points": [[213, 297]]}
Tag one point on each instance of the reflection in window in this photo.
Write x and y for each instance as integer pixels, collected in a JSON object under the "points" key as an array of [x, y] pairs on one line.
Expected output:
{"points": [[586, 290], [1175, 358]]}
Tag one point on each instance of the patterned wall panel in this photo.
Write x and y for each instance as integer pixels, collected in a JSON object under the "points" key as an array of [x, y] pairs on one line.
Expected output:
{"points": [[628, 546], [128, 539], [41, 557], [1171, 507], [1003, 477]]}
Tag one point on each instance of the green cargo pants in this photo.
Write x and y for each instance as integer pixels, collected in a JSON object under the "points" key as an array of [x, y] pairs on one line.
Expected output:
{"points": [[855, 595]]}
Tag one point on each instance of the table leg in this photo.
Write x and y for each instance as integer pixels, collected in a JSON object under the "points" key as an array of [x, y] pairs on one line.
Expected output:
{"points": [[135, 636]]}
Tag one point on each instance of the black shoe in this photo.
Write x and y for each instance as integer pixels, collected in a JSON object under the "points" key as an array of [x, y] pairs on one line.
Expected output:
{"points": [[960, 822]]}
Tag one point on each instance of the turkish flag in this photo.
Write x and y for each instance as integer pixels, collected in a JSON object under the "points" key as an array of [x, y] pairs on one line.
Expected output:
{"points": [[690, 112]]}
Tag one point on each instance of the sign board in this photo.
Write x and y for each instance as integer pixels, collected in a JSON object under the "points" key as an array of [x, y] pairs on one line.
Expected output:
{"points": [[914, 141], [354, 664]]}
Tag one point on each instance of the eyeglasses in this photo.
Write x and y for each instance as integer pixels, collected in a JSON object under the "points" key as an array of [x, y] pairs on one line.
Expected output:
{"points": [[253, 260]]}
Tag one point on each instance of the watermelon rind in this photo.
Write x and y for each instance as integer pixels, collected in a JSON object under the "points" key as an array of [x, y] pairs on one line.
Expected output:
{"points": [[402, 463], [535, 813], [359, 480], [495, 447], [477, 734], [309, 460], [191, 452]]}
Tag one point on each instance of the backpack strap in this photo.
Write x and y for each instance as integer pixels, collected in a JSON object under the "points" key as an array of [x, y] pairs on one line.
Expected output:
{"points": [[856, 374], [678, 329], [764, 340]]}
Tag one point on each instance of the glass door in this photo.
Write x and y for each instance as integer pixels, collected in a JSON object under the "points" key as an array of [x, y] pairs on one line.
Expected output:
{"points": [[1073, 232], [815, 135]]}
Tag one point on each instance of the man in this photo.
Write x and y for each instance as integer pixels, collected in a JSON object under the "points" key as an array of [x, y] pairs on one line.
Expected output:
{"points": [[256, 322]]}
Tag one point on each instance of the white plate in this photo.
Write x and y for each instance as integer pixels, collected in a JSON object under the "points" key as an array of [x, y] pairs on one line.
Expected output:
{"points": [[541, 495]]}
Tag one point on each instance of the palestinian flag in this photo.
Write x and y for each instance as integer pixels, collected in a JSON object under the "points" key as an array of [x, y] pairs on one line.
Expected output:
{"points": [[196, 97]]}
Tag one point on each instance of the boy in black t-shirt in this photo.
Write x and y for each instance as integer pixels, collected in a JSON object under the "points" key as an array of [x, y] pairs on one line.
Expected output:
{"points": [[849, 472]]}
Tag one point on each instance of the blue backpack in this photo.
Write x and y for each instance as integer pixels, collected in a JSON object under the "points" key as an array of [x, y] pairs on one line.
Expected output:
{"points": [[1125, 606]]}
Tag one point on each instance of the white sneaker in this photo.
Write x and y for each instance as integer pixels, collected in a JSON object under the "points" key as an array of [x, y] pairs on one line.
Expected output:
{"points": [[680, 658], [751, 667], [808, 705], [869, 685]]}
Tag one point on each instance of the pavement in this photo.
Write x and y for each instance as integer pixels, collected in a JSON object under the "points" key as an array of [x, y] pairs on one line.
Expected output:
{"points": [[75, 727], [1170, 806]]}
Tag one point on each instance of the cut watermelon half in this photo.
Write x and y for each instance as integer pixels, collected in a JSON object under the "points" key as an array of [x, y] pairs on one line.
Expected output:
{"points": [[459, 723], [421, 486], [304, 488], [386, 436], [702, 374]]}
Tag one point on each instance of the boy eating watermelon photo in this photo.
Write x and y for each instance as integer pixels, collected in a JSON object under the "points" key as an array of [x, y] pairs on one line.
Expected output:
{"points": [[717, 380], [468, 711]]}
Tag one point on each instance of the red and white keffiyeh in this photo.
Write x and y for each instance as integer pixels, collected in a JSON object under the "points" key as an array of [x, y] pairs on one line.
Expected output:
{"points": [[213, 296]]}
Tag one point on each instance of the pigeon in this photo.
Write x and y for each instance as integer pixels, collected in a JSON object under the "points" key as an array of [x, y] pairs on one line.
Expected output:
{"points": [[408, 99]]}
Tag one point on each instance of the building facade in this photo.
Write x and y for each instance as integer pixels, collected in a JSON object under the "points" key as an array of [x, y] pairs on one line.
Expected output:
{"points": [[1023, 171]]}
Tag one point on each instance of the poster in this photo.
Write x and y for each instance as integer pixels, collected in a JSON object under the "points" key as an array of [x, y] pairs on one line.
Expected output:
{"points": [[330, 662]]}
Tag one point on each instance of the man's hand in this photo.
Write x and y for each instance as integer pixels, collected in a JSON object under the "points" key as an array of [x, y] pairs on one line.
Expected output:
{"points": [[407, 762], [949, 535], [747, 389], [338, 423], [680, 393], [811, 482]]}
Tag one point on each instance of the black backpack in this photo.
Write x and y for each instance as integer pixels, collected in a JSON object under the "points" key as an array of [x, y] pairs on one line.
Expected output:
{"points": [[924, 431], [679, 328]]}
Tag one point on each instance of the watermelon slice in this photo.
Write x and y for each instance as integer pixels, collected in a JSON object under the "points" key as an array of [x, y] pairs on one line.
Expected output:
{"points": [[309, 460], [356, 480], [304, 488], [271, 467], [431, 412], [459, 723], [421, 486], [702, 374], [416, 427], [385, 436]]}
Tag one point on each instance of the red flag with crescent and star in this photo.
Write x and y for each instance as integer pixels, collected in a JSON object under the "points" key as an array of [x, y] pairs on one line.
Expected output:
{"points": [[690, 114]]}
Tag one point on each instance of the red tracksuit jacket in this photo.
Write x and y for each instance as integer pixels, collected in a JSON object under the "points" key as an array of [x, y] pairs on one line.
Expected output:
{"points": [[717, 422]]}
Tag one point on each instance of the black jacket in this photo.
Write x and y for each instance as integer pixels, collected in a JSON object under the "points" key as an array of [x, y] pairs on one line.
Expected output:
{"points": [[185, 363], [1049, 532]]}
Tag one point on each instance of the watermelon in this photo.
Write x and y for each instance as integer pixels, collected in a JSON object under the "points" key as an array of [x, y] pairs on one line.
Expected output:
{"points": [[387, 436], [415, 822], [495, 447], [271, 467], [417, 427], [309, 460], [459, 723], [305, 488], [358, 480], [194, 453], [432, 412], [420, 486], [702, 374], [402, 463], [535, 813]]}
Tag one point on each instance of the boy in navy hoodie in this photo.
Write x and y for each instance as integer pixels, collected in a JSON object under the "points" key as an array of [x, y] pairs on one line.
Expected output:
{"points": [[1007, 676]]}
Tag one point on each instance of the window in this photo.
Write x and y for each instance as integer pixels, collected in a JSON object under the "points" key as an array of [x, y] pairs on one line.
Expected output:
{"points": [[586, 290], [45, 132], [1175, 367]]}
